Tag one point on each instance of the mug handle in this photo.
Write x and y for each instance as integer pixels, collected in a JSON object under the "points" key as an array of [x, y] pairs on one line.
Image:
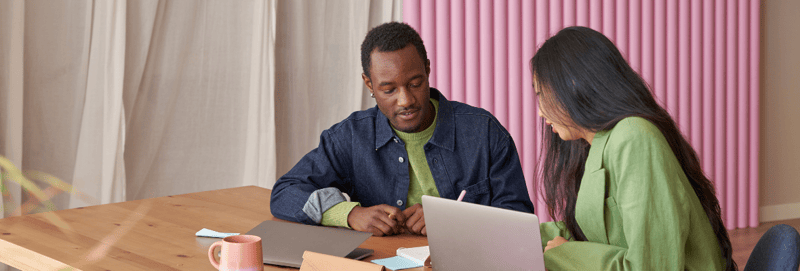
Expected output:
{"points": [[211, 256]]}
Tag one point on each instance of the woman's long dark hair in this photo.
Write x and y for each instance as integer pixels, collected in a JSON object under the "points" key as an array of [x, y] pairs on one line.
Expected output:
{"points": [[586, 82]]}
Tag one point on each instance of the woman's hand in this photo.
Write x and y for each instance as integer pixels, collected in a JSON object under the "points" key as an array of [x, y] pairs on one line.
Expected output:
{"points": [[555, 242]]}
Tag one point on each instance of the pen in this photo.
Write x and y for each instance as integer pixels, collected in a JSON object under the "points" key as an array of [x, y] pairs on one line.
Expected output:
{"points": [[461, 197]]}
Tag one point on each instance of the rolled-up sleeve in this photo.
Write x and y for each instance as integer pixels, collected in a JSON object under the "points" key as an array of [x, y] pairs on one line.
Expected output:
{"points": [[305, 192]]}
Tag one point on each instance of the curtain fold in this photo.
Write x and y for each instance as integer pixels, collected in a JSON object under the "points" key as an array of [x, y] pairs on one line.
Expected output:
{"points": [[63, 118], [99, 166], [12, 19], [131, 99], [318, 53], [259, 166], [126, 100], [197, 99]]}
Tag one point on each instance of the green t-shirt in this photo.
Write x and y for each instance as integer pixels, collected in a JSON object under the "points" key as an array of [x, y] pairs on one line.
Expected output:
{"points": [[420, 178]]}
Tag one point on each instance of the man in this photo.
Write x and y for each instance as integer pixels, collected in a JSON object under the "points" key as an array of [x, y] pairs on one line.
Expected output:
{"points": [[413, 143]]}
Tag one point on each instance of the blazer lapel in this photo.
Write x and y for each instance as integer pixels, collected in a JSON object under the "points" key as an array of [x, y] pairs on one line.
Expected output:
{"points": [[589, 207]]}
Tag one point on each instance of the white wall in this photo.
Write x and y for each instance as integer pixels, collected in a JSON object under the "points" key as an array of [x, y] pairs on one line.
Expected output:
{"points": [[780, 111]]}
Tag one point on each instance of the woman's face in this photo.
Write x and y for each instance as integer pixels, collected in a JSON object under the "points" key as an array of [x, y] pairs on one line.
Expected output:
{"points": [[565, 132], [563, 126]]}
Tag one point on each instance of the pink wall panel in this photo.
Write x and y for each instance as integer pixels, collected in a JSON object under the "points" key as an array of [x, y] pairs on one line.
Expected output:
{"points": [[500, 58], [730, 112], [755, 50], [458, 53], [486, 49], [443, 50], [743, 113], [472, 54], [701, 59]]}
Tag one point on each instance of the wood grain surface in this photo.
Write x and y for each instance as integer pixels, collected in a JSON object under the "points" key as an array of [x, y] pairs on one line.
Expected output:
{"points": [[149, 234], [158, 233]]}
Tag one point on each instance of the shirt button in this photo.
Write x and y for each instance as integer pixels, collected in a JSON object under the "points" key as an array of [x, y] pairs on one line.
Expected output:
{"points": [[395, 140], [400, 159], [399, 203], [434, 160]]}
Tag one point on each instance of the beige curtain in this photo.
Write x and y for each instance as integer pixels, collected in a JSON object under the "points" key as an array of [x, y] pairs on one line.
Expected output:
{"points": [[12, 17], [318, 58], [135, 99], [199, 95], [73, 66]]}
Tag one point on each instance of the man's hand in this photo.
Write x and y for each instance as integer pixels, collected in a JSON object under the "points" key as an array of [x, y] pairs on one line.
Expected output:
{"points": [[380, 220], [555, 242], [415, 219]]}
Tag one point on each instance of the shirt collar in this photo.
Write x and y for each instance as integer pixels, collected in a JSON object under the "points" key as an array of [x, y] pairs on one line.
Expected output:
{"points": [[443, 135]]}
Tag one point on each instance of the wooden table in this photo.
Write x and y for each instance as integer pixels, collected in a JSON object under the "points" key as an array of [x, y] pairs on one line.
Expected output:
{"points": [[149, 234]]}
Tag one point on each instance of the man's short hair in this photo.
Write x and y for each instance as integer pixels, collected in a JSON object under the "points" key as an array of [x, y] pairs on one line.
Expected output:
{"points": [[390, 37]]}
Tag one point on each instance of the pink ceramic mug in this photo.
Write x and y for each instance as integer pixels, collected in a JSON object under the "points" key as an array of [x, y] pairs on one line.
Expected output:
{"points": [[239, 252]]}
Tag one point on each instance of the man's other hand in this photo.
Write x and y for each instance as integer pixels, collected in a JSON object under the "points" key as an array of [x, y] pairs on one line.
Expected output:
{"points": [[415, 219], [380, 220]]}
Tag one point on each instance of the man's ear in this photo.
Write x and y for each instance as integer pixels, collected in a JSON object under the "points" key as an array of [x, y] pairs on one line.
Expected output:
{"points": [[367, 81], [428, 67]]}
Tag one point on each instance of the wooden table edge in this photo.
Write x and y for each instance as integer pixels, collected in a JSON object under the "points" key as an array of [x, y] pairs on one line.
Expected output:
{"points": [[25, 259]]}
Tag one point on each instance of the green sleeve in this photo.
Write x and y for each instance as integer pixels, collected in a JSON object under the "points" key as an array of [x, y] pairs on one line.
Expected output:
{"points": [[337, 215], [650, 200], [550, 230]]}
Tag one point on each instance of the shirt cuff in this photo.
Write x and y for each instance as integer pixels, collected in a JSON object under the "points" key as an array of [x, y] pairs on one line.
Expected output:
{"points": [[320, 201], [337, 215]]}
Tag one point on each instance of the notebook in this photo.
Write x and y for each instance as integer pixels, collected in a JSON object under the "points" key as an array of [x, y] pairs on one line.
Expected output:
{"points": [[415, 254], [468, 236], [406, 258], [283, 243]]}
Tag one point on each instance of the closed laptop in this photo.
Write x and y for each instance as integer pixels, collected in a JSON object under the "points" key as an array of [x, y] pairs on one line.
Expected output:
{"points": [[283, 243]]}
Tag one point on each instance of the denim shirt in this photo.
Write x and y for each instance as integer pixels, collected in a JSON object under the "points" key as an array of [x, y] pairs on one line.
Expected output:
{"points": [[363, 157]]}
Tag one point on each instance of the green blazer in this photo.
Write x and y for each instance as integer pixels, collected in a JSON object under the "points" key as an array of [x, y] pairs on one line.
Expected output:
{"points": [[636, 208]]}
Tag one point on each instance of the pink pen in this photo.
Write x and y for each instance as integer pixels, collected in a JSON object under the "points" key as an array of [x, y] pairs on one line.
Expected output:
{"points": [[460, 197]]}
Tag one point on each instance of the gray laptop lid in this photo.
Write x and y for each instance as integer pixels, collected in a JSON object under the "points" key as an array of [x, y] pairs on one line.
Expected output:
{"points": [[468, 236], [283, 243]]}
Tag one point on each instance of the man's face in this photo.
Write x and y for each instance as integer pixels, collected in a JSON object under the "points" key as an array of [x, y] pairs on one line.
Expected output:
{"points": [[399, 81]]}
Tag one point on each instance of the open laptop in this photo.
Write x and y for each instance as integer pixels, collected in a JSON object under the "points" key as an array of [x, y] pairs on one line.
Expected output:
{"points": [[468, 236], [283, 243]]}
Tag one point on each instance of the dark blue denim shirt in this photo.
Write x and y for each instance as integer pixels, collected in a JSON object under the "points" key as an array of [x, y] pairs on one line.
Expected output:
{"points": [[363, 157]]}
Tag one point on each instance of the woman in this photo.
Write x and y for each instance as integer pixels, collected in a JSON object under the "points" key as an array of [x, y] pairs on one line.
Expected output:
{"points": [[626, 185]]}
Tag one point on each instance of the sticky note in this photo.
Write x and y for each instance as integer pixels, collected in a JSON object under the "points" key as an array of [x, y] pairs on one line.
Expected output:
{"points": [[397, 263], [209, 233]]}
